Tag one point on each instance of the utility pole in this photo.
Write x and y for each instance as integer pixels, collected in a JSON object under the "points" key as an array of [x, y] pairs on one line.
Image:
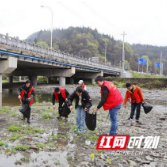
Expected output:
{"points": [[147, 65], [105, 51], [51, 30], [138, 61], [160, 64], [123, 54]]}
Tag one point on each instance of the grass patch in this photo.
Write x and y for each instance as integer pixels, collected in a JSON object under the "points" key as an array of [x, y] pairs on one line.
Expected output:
{"points": [[57, 163], [27, 160], [13, 115], [109, 160], [21, 148], [142, 75], [73, 127], [40, 145], [35, 130], [94, 138], [14, 128], [22, 161], [16, 137], [62, 136], [46, 116], [5, 109], [2, 143]]}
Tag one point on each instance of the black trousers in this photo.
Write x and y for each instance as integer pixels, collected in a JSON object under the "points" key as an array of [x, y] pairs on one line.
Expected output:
{"points": [[136, 106]]}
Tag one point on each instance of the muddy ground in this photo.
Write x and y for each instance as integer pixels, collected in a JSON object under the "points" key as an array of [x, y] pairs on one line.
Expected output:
{"points": [[48, 142]]}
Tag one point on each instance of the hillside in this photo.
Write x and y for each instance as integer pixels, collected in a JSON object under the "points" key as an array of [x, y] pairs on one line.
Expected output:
{"points": [[88, 43]]}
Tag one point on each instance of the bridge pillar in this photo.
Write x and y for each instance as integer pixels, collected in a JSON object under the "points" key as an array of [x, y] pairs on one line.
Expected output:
{"points": [[62, 81], [33, 80], [0, 84], [48, 80], [6, 67], [10, 79], [0, 99], [93, 81], [19, 78]]}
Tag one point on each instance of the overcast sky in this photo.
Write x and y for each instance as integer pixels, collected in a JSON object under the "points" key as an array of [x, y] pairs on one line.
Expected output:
{"points": [[144, 21]]}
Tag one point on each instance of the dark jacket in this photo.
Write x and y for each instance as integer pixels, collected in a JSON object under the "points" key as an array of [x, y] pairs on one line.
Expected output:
{"points": [[61, 99], [85, 99], [26, 90], [104, 97]]}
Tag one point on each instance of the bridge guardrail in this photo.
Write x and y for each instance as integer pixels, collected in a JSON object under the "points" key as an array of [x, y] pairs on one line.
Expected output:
{"points": [[15, 42]]}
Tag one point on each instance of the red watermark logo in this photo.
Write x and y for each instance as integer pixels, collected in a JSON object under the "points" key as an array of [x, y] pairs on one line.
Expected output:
{"points": [[121, 142], [114, 142]]}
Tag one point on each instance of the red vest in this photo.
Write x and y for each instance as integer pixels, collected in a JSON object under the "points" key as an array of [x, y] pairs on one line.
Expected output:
{"points": [[83, 86], [114, 97], [29, 94], [63, 93], [136, 94]]}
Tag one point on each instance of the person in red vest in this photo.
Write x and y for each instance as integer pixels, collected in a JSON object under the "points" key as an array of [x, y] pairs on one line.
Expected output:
{"points": [[136, 98], [60, 95], [25, 95], [111, 100], [81, 84]]}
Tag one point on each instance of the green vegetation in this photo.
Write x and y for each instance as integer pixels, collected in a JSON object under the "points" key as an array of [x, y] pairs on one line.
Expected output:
{"points": [[2, 143], [47, 115], [94, 138], [40, 145], [84, 42], [142, 75], [42, 79], [5, 109], [16, 136], [14, 128], [22, 161], [25, 130], [109, 160], [87, 43], [4, 81], [57, 163], [21, 148], [42, 43]]}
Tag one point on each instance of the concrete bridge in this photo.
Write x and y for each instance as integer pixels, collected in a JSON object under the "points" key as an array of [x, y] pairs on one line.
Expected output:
{"points": [[20, 58]]}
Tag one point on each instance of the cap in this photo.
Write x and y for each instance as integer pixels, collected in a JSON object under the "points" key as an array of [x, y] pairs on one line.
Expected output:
{"points": [[28, 81], [80, 81]]}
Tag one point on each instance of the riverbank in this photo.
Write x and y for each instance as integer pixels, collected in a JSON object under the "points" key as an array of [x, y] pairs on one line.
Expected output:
{"points": [[154, 96], [47, 142]]}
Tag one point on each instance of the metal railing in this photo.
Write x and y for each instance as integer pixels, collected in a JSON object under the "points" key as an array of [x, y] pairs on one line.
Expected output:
{"points": [[15, 42]]}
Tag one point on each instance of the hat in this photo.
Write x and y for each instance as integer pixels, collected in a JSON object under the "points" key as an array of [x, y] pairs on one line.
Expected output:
{"points": [[28, 81], [80, 81]]}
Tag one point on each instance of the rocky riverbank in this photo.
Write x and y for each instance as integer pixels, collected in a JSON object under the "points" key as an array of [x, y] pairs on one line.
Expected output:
{"points": [[154, 96], [47, 142]]}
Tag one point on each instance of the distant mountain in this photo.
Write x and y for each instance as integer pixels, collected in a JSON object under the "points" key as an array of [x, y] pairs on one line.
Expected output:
{"points": [[87, 43]]}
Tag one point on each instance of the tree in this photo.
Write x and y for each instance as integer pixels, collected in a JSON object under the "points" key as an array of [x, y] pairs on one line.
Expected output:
{"points": [[42, 43], [149, 63]]}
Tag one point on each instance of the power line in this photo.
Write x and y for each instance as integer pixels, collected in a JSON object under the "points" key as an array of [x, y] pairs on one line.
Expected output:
{"points": [[123, 53], [76, 14], [99, 16]]}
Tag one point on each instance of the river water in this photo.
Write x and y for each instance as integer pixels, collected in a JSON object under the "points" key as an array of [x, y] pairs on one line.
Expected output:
{"points": [[9, 98]]}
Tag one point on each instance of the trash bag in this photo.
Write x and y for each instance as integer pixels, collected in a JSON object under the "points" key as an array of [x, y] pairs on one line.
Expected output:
{"points": [[147, 107], [65, 110], [90, 120], [25, 110]]}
